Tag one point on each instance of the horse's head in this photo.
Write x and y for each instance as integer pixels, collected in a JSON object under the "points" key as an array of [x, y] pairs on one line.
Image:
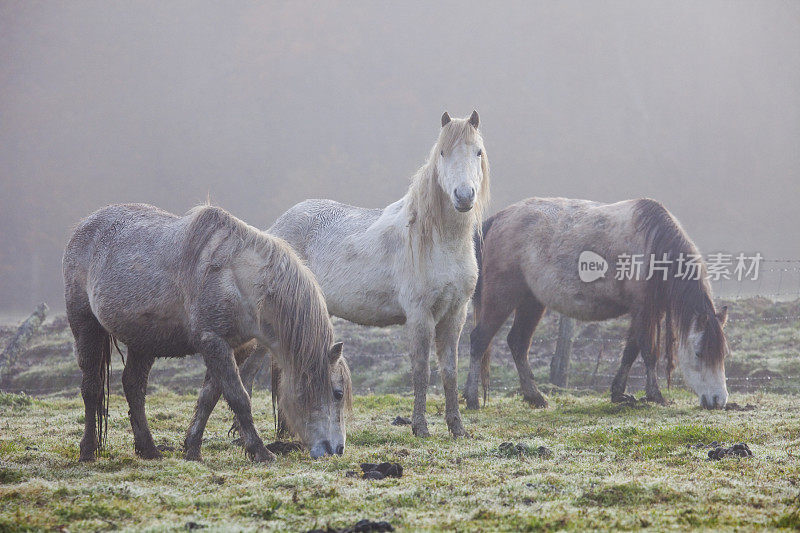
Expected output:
{"points": [[320, 423], [701, 356], [461, 163]]}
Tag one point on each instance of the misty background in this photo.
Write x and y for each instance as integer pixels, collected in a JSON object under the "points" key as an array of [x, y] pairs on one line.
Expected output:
{"points": [[259, 106]]}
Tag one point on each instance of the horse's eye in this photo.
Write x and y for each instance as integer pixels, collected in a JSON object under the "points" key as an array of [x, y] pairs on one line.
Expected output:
{"points": [[338, 394], [442, 153], [480, 153], [698, 354]]}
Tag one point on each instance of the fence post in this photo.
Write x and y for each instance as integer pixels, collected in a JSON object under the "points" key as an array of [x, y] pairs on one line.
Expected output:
{"points": [[559, 365], [9, 356]]}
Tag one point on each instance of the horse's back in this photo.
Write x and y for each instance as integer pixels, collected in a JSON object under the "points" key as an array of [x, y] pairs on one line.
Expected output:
{"points": [[352, 252], [308, 221]]}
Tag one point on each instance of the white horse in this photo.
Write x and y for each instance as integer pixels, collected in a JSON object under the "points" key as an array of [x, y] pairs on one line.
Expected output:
{"points": [[410, 263]]}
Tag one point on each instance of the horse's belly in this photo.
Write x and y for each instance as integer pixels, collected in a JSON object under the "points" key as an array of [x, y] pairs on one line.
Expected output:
{"points": [[141, 321], [366, 307], [583, 302]]}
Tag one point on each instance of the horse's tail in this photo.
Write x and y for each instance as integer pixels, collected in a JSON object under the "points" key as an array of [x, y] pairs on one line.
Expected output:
{"points": [[486, 357], [105, 391], [478, 238]]}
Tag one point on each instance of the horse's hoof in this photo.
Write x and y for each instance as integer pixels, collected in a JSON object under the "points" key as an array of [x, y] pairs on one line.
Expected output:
{"points": [[659, 400], [148, 453], [472, 398], [420, 430], [87, 457], [623, 398], [263, 456], [193, 455], [538, 402], [458, 431]]}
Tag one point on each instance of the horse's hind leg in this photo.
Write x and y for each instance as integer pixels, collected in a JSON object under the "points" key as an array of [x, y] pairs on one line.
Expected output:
{"points": [[490, 315], [206, 400], [448, 332], [134, 383], [91, 343], [220, 362], [526, 318], [621, 379]]}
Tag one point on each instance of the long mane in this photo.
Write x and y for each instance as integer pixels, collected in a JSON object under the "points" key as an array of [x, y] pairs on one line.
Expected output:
{"points": [[677, 300], [287, 289], [426, 200]]}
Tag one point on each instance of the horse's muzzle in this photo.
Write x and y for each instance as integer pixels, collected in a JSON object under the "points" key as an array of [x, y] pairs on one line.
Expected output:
{"points": [[325, 448], [712, 402], [464, 198]]}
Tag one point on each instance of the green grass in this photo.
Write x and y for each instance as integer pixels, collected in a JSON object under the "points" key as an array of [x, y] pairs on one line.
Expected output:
{"points": [[612, 467]]}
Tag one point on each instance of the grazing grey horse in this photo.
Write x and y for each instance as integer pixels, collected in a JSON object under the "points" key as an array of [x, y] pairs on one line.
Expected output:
{"points": [[530, 260], [170, 286], [410, 263]]}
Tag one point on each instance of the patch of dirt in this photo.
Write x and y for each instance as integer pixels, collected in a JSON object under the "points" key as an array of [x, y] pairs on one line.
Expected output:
{"points": [[364, 526], [284, 448], [381, 470], [737, 450], [401, 421]]}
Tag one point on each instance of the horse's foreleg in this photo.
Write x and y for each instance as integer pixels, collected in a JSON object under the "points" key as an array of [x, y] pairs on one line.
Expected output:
{"points": [[519, 338], [621, 379], [250, 364], [220, 362], [250, 359], [421, 334], [134, 383], [448, 332], [281, 425], [206, 400], [652, 391]]}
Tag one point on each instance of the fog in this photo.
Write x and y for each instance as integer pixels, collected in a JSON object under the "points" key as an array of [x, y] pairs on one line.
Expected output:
{"points": [[259, 106]]}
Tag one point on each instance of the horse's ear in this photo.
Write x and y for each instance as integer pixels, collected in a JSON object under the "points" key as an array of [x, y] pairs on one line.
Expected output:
{"points": [[722, 316], [445, 119], [474, 119], [335, 353]]}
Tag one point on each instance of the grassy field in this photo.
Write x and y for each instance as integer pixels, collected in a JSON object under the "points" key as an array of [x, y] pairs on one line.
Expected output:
{"points": [[608, 467]]}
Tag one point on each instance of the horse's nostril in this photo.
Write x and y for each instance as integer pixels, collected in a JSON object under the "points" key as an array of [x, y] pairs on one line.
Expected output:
{"points": [[716, 401], [472, 193], [340, 449], [704, 401], [328, 447]]}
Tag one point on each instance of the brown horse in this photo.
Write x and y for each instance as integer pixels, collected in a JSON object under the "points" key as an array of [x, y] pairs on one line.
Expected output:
{"points": [[530, 259], [206, 282]]}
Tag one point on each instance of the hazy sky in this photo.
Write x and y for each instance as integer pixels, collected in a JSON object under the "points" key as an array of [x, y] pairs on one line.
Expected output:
{"points": [[261, 105]]}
